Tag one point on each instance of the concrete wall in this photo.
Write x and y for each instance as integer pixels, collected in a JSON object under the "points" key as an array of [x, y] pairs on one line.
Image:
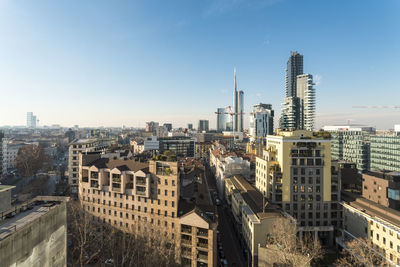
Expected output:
{"points": [[5, 200], [40, 243]]}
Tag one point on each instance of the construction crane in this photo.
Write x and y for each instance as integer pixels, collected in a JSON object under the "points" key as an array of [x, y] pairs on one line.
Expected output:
{"points": [[377, 107]]}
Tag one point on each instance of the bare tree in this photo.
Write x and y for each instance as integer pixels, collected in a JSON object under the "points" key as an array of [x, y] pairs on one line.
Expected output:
{"points": [[29, 160], [286, 248], [360, 252], [94, 242], [88, 237]]}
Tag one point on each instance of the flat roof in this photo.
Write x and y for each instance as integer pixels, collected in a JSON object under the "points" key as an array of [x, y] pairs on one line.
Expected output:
{"points": [[372, 209], [24, 217], [6, 187]]}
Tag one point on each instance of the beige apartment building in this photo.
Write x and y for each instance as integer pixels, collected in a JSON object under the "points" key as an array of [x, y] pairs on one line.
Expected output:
{"points": [[363, 218], [254, 217], [295, 173], [129, 194], [77, 147]]}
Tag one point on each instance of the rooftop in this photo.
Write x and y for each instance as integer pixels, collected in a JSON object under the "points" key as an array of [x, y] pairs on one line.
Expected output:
{"points": [[121, 164], [254, 198], [21, 215], [4, 188], [372, 209]]}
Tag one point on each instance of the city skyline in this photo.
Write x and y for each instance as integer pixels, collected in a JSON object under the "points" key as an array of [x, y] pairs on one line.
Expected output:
{"points": [[66, 63]]}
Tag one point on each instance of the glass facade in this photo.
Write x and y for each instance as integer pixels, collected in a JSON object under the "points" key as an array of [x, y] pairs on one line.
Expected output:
{"points": [[385, 153]]}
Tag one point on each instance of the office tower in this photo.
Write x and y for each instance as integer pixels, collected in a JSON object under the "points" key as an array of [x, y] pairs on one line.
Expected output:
{"points": [[35, 233], [351, 143], [261, 122], [385, 152], [295, 173], [223, 119], [182, 146], [238, 104], [146, 197], [168, 126], [306, 95], [203, 126], [190, 126], [294, 68], [30, 120], [152, 126]]}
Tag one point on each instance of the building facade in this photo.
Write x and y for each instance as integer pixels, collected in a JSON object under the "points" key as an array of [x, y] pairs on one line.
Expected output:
{"points": [[377, 225], [382, 188], [238, 106], [351, 143], [306, 96], [295, 173], [30, 120], [182, 146], [203, 126], [77, 147], [385, 152], [261, 123], [294, 68], [129, 195], [223, 120], [35, 233]]}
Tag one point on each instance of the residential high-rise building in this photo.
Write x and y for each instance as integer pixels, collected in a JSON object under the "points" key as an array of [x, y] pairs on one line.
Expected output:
{"points": [[351, 143], [261, 122], [294, 68], [223, 120], [295, 173], [137, 196], [298, 108], [306, 95], [190, 126], [290, 109], [203, 126], [238, 106], [30, 120]]}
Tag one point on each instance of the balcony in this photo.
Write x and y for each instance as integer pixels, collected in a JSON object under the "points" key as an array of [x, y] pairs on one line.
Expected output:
{"points": [[85, 179], [140, 181], [202, 258], [202, 232], [94, 184], [187, 242], [186, 229]]}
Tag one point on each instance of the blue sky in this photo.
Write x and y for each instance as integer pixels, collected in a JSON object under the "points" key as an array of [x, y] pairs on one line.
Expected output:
{"points": [[117, 63]]}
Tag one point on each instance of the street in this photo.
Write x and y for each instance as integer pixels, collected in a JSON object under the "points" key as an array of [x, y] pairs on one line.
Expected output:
{"points": [[230, 242]]}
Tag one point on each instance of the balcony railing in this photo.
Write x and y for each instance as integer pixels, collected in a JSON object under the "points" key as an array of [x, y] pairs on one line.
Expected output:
{"points": [[202, 245], [186, 242], [85, 179], [141, 182], [186, 230], [203, 258]]}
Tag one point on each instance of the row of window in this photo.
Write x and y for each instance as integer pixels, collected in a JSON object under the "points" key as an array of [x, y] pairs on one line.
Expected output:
{"points": [[127, 205]]}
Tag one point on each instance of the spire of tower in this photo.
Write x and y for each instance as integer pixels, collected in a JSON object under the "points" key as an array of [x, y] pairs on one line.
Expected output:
{"points": [[234, 81]]}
